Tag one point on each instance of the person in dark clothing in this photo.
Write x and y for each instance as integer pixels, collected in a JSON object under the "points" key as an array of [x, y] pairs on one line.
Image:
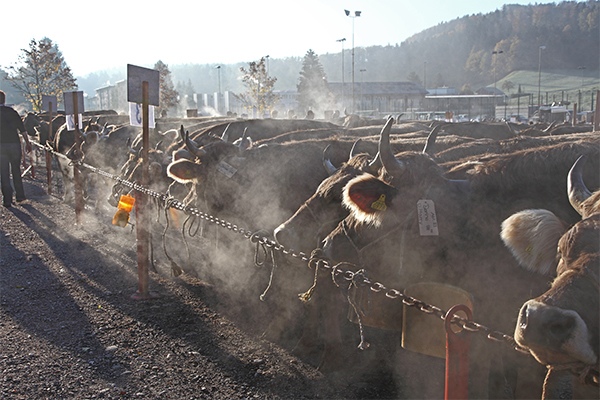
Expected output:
{"points": [[10, 152]]}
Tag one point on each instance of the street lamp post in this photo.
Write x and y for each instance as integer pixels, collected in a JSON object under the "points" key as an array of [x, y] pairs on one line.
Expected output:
{"points": [[361, 88], [540, 83], [356, 14], [580, 102], [342, 40], [267, 57], [218, 68], [495, 53], [425, 74]]}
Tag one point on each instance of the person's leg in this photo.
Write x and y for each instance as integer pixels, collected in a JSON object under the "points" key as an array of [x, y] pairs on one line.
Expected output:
{"points": [[7, 190], [15, 167]]}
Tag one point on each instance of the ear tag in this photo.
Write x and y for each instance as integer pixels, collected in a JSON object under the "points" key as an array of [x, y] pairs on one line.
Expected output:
{"points": [[428, 224], [226, 169], [529, 248], [379, 205]]}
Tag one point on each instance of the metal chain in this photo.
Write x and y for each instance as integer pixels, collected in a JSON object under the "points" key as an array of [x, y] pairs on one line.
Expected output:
{"points": [[356, 277]]}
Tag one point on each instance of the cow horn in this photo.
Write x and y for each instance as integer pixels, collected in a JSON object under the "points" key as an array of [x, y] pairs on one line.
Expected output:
{"points": [[158, 145], [430, 144], [225, 135], [353, 149], [327, 162], [576, 188], [189, 144], [182, 133], [549, 127], [393, 166], [131, 149], [244, 141], [511, 129]]}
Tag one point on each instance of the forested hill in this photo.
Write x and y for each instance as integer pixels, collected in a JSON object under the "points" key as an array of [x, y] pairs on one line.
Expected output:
{"points": [[461, 50], [456, 52]]}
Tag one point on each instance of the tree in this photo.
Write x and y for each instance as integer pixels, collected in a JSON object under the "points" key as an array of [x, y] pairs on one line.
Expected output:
{"points": [[260, 88], [41, 70], [168, 96], [466, 89], [508, 86], [313, 89], [413, 77]]}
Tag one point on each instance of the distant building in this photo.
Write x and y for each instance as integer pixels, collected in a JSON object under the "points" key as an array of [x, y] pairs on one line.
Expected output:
{"points": [[378, 98]]}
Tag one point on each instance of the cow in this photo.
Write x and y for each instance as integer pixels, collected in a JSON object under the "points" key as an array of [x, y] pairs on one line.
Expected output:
{"points": [[561, 327], [384, 235], [254, 188], [65, 143]]}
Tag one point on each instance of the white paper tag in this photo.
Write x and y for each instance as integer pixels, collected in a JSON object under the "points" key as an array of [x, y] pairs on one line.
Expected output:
{"points": [[226, 169], [135, 115], [71, 122], [428, 224]]}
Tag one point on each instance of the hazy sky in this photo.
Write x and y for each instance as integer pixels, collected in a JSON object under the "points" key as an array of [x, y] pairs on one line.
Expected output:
{"points": [[107, 33]]}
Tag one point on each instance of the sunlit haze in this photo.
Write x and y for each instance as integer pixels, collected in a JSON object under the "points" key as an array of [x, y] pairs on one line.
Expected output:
{"points": [[106, 34]]}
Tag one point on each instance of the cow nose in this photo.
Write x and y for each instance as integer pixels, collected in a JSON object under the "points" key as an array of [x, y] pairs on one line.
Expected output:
{"points": [[544, 325]]}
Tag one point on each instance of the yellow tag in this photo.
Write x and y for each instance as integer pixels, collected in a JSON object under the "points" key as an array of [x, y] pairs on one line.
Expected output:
{"points": [[379, 205], [529, 248]]}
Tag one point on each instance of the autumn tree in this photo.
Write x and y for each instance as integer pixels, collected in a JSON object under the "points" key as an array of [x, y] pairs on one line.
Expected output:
{"points": [[41, 70], [260, 88], [313, 89], [168, 96]]}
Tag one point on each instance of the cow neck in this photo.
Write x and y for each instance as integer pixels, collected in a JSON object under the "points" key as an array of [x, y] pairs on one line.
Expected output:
{"points": [[320, 224], [360, 251]]}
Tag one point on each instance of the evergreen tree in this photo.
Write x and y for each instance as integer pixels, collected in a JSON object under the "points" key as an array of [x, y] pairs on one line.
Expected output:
{"points": [[313, 89], [413, 77], [260, 94], [168, 96], [41, 70]]}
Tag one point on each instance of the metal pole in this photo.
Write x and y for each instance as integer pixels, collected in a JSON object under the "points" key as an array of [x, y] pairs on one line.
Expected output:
{"points": [[457, 356], [352, 108], [77, 183], [342, 40], [540, 83], [48, 156]]}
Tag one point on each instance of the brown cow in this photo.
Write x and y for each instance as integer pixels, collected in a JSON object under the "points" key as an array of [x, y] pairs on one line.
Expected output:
{"points": [[561, 327], [384, 235]]}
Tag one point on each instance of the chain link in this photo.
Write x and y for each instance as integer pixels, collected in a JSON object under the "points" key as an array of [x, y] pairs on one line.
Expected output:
{"points": [[323, 264]]}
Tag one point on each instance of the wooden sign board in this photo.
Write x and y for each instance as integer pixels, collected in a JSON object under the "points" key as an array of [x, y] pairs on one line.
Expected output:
{"points": [[135, 77], [69, 106], [46, 100]]}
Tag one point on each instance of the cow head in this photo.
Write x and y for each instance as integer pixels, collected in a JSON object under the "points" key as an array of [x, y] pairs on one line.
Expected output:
{"points": [[410, 185], [560, 327]]}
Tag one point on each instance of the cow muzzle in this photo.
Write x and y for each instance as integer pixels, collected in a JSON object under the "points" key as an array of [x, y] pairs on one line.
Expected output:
{"points": [[554, 335]]}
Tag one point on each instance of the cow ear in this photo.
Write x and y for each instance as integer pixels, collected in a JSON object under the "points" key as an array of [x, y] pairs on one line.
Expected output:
{"points": [[185, 171], [532, 237], [367, 198]]}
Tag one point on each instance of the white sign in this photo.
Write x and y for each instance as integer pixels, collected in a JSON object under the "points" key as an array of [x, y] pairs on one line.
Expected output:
{"points": [[226, 169], [428, 224], [135, 115], [46, 100], [71, 122]]}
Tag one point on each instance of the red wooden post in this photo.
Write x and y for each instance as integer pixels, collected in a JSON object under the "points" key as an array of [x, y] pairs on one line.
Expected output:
{"points": [[48, 157], [457, 357], [78, 189]]}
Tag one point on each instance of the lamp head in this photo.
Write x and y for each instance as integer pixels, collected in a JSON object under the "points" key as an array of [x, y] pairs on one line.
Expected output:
{"points": [[347, 12]]}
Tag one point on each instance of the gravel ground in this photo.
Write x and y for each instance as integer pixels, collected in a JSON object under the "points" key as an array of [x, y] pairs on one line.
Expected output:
{"points": [[69, 328]]}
